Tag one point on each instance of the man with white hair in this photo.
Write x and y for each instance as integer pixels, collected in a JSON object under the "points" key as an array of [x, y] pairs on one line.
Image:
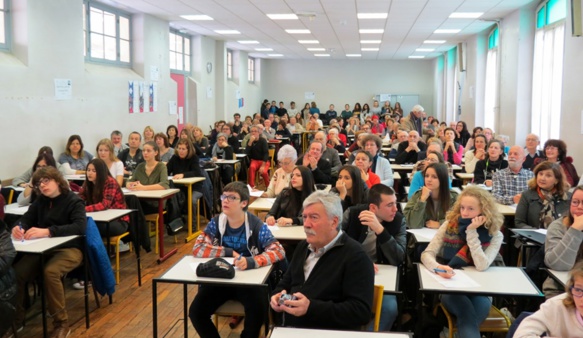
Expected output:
{"points": [[408, 150], [402, 136], [532, 152], [269, 132], [415, 120], [509, 183], [330, 273], [330, 154]]}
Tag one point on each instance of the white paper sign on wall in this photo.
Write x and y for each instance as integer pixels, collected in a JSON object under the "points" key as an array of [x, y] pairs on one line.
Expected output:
{"points": [[310, 95]]}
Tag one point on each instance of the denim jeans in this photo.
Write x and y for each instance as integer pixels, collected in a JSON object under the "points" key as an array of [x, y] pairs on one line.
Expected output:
{"points": [[470, 312], [389, 311]]}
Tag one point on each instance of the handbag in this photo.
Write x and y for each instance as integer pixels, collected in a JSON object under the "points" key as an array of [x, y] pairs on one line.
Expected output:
{"points": [[174, 226]]}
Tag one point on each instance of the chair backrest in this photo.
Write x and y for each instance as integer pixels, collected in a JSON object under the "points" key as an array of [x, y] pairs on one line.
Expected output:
{"points": [[377, 302]]}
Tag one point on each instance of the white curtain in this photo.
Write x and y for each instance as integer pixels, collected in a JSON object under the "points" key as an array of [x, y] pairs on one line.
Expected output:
{"points": [[547, 82], [491, 91]]}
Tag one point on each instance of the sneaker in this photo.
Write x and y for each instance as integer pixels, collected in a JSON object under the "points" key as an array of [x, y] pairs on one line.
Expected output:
{"points": [[80, 285], [61, 331], [123, 247]]}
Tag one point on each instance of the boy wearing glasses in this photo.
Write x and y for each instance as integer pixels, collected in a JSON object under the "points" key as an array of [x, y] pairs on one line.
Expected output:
{"points": [[239, 234]]}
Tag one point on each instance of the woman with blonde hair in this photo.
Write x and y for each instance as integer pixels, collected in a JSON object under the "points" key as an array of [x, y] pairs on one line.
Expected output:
{"points": [[200, 140], [148, 134], [470, 236], [105, 152]]}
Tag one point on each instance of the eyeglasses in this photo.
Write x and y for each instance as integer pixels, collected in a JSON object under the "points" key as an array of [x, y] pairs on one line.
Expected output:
{"points": [[46, 181], [230, 198], [285, 163], [432, 160], [576, 292], [576, 203]]}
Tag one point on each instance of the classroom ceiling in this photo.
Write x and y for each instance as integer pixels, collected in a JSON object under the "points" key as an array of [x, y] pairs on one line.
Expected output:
{"points": [[332, 23]]}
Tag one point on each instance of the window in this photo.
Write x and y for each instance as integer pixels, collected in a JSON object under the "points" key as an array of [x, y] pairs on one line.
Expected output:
{"points": [[491, 87], [229, 64], [179, 52], [107, 34], [251, 70], [4, 25], [547, 78]]}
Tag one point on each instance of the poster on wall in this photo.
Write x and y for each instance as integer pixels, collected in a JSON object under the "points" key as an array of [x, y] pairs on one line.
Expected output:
{"points": [[131, 97], [141, 93], [153, 97], [63, 89], [310, 95]]}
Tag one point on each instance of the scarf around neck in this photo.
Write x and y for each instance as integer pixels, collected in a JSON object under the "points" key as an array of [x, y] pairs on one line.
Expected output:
{"points": [[456, 252]]}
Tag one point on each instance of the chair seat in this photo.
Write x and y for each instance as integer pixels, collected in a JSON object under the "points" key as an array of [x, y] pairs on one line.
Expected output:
{"points": [[496, 321], [231, 308]]}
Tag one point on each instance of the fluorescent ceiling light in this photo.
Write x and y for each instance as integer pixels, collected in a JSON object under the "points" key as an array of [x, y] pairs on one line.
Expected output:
{"points": [[424, 49], [370, 41], [372, 15], [227, 31], [465, 15], [264, 49], [298, 31], [416, 57], [321, 55], [353, 55], [435, 42], [201, 17], [371, 31], [282, 16], [309, 42], [248, 42], [274, 54], [447, 31], [316, 49], [369, 49]]}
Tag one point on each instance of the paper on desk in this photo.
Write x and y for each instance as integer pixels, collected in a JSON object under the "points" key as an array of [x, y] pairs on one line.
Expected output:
{"points": [[27, 241], [273, 227], [541, 231], [254, 193], [459, 280], [125, 190]]}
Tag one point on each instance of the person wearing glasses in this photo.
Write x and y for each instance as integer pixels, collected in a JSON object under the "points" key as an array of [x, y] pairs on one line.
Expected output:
{"points": [[564, 242], [286, 158], [29, 194], [239, 234], [556, 151], [57, 212], [559, 316]]}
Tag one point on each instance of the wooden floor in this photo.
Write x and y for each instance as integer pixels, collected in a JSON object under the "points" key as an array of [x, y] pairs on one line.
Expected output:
{"points": [[130, 315]]}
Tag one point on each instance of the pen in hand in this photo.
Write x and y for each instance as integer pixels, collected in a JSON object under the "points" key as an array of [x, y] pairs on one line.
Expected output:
{"points": [[20, 226], [237, 259], [437, 270]]}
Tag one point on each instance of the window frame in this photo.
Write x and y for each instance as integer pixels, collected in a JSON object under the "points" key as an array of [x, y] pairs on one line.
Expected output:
{"points": [[87, 30], [230, 66], [7, 44], [492, 51], [184, 37], [251, 66]]}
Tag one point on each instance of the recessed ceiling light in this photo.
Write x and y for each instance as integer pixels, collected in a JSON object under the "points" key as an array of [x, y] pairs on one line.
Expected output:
{"points": [[370, 41], [248, 42], [316, 49], [321, 55], [435, 42], [371, 31], [309, 42], [416, 57], [372, 15], [353, 55], [275, 55], [424, 49], [298, 31], [282, 16], [197, 17], [227, 31], [369, 49], [465, 15], [264, 49], [447, 31]]}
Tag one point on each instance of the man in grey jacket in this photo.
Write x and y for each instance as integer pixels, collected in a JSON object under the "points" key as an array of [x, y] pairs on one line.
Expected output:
{"points": [[330, 154]]}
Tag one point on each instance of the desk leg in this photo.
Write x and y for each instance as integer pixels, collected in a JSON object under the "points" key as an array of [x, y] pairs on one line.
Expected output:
{"points": [[155, 308], [161, 229], [43, 296], [185, 307], [189, 237]]}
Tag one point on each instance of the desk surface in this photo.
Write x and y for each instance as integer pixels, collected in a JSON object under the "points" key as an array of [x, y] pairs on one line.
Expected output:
{"points": [[423, 235], [151, 193], [290, 233], [409, 167], [227, 161], [184, 271], [497, 280], [506, 210], [387, 277], [465, 176], [289, 332], [108, 215], [75, 177], [560, 276], [536, 235], [42, 244], [262, 204], [14, 209], [187, 181]]}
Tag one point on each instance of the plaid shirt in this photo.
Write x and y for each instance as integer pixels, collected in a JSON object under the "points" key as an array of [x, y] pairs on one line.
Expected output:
{"points": [[506, 184], [112, 198]]}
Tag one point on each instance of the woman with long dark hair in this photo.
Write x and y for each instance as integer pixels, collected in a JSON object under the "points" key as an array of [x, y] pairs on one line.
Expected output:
{"points": [[287, 208], [475, 132], [350, 187], [493, 162], [453, 152], [462, 135], [430, 204]]}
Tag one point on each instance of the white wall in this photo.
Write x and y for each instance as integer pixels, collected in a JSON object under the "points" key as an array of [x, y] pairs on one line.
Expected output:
{"points": [[340, 81], [49, 45]]}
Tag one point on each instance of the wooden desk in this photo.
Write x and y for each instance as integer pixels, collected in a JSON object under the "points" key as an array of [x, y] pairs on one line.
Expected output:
{"points": [[14, 209], [40, 247], [184, 272], [495, 281], [189, 182], [465, 177], [261, 204], [289, 332], [160, 196], [423, 235], [231, 163], [506, 210]]}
